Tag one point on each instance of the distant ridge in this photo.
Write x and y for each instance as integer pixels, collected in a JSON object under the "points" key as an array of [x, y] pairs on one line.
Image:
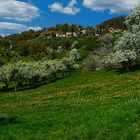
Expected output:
{"points": [[115, 23]]}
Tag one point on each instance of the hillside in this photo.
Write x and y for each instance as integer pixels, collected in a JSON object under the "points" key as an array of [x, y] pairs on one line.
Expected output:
{"points": [[115, 23], [55, 85], [85, 106], [69, 82], [36, 44]]}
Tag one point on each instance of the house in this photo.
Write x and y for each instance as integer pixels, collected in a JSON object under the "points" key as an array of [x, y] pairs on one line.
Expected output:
{"points": [[56, 33], [112, 30], [75, 34], [97, 35], [84, 32], [60, 34], [69, 34], [53, 33]]}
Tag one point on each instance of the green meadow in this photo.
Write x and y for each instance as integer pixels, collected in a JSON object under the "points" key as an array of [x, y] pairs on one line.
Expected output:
{"points": [[100, 105]]}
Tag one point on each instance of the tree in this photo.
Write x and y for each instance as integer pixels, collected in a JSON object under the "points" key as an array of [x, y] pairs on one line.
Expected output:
{"points": [[127, 49], [6, 74], [22, 73], [133, 19]]}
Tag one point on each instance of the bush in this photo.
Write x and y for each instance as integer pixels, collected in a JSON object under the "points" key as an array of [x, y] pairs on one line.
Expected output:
{"points": [[92, 63], [74, 54]]}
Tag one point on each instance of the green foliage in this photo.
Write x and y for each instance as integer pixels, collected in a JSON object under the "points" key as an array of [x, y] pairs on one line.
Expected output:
{"points": [[88, 43], [65, 27], [31, 48], [5, 43], [24, 36]]}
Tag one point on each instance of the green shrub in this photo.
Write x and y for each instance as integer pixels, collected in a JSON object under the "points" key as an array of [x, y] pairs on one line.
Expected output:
{"points": [[91, 63]]}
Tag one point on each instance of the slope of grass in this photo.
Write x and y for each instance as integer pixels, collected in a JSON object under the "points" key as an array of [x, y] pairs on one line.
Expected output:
{"points": [[85, 106]]}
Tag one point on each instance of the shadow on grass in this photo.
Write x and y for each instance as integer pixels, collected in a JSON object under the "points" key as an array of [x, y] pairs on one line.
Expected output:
{"points": [[5, 120], [25, 87], [3, 90], [120, 70], [133, 69], [31, 86]]}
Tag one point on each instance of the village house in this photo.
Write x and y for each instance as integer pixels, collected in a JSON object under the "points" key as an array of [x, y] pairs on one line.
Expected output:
{"points": [[75, 34], [56, 33], [112, 30], [84, 31], [59, 34], [69, 34], [53, 33]]}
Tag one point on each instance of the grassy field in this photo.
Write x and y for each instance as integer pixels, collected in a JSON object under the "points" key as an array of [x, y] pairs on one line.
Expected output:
{"points": [[102, 105]]}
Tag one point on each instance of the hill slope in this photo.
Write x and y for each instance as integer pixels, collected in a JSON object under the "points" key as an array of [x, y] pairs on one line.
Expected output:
{"points": [[114, 23], [84, 106]]}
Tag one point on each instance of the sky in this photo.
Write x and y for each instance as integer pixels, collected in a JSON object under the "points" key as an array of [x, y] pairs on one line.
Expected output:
{"points": [[20, 15]]}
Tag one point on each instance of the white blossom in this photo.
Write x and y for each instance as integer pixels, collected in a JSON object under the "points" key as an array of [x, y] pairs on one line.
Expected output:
{"points": [[74, 54], [127, 48], [133, 18], [32, 72]]}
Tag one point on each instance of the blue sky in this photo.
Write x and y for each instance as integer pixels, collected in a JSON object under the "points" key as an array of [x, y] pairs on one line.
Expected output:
{"points": [[20, 15]]}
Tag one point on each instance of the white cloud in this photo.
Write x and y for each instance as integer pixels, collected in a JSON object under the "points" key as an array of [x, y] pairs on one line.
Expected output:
{"points": [[36, 28], [114, 6], [17, 10], [7, 28], [70, 9]]}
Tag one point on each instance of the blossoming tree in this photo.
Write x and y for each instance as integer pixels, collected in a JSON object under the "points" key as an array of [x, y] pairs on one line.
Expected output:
{"points": [[127, 48]]}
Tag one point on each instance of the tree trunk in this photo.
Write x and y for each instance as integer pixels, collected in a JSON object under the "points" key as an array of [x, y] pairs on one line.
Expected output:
{"points": [[6, 84], [127, 65]]}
